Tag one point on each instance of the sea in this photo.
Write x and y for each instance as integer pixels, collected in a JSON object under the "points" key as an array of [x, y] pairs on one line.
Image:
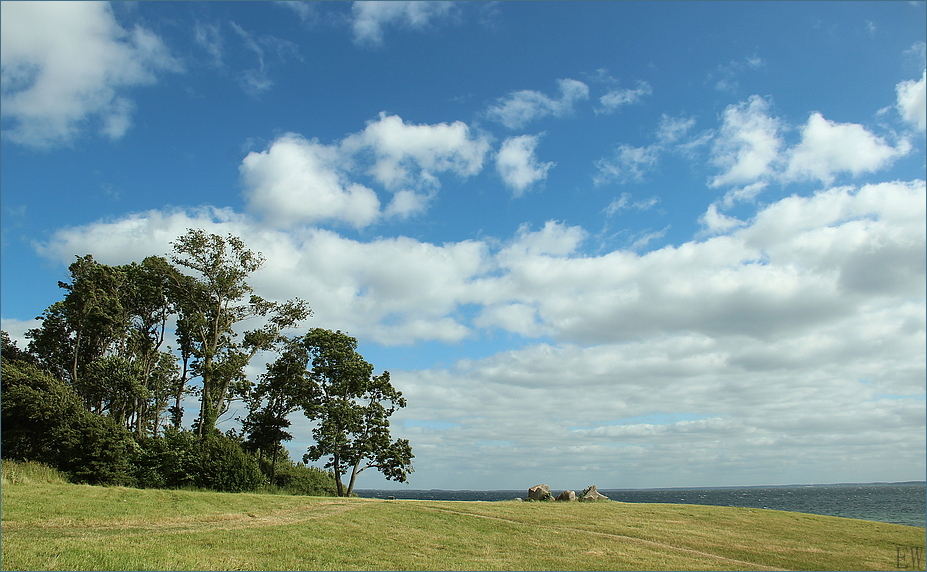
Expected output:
{"points": [[896, 503]]}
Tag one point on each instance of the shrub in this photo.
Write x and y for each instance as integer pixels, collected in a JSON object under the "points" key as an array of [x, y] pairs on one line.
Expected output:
{"points": [[44, 421], [180, 459], [168, 461], [297, 479], [96, 450], [223, 466]]}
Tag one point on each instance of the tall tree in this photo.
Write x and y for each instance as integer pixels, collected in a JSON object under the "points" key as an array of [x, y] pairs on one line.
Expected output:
{"points": [[104, 339], [82, 327], [147, 298], [351, 408], [284, 389], [90, 323], [212, 301]]}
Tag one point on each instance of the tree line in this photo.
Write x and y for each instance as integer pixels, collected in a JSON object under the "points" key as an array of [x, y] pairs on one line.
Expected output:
{"points": [[99, 393]]}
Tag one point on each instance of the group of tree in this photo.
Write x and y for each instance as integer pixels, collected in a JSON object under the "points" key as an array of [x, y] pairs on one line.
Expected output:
{"points": [[99, 393]]}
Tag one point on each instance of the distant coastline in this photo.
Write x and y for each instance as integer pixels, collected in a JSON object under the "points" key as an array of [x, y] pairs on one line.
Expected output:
{"points": [[682, 488], [900, 502]]}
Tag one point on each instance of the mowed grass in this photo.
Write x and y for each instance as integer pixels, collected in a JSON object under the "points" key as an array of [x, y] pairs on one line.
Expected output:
{"points": [[57, 526]]}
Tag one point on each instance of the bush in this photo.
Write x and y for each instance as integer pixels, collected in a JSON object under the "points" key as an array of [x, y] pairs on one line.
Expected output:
{"points": [[96, 450], [180, 459], [222, 465], [297, 479], [168, 461], [44, 421]]}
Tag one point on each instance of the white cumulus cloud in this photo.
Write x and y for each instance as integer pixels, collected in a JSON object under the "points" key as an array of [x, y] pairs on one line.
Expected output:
{"points": [[828, 148], [300, 181], [519, 108], [408, 154], [912, 102], [748, 143], [370, 18], [67, 63], [517, 164]]}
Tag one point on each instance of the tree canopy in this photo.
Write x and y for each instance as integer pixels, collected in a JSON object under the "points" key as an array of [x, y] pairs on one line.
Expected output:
{"points": [[99, 393], [350, 405]]}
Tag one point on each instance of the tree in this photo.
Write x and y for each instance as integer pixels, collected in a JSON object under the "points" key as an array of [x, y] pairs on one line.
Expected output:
{"points": [[351, 408], [211, 303], [283, 389], [104, 339], [147, 296], [82, 327]]}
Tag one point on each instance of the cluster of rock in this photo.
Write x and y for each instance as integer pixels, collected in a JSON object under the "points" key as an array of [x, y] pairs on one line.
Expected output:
{"points": [[542, 493]]}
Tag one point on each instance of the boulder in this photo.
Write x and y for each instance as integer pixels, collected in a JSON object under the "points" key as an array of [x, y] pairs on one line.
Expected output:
{"points": [[539, 492], [593, 495], [566, 496]]}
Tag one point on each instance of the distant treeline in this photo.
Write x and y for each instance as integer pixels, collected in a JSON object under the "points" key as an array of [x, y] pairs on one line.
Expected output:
{"points": [[98, 393]]}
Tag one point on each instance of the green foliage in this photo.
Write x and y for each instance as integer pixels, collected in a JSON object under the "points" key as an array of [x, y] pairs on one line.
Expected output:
{"points": [[350, 405], [180, 459], [43, 420], [211, 302], [104, 340], [223, 466], [97, 451], [93, 391], [11, 352], [168, 461], [298, 479]]}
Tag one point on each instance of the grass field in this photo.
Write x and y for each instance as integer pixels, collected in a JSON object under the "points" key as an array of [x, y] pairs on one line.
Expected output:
{"points": [[59, 526]]}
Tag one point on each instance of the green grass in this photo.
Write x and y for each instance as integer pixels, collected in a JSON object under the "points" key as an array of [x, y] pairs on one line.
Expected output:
{"points": [[78, 527], [28, 472]]}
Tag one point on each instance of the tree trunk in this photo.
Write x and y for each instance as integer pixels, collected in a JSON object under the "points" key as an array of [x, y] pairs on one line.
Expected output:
{"points": [[273, 465], [336, 466], [178, 397], [207, 419], [74, 361], [354, 472]]}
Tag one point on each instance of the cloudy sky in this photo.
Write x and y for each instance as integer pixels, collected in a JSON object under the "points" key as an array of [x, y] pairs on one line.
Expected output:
{"points": [[613, 243]]}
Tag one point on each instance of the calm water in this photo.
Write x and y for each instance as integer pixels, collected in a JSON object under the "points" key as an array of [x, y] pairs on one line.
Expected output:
{"points": [[899, 503]]}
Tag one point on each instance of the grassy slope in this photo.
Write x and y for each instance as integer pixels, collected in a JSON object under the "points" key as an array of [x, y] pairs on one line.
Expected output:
{"points": [[67, 527]]}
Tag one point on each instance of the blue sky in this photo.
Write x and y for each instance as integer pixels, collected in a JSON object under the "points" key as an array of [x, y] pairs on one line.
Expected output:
{"points": [[621, 243]]}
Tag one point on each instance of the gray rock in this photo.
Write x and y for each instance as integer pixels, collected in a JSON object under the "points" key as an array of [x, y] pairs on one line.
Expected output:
{"points": [[566, 496], [539, 492], [593, 495]]}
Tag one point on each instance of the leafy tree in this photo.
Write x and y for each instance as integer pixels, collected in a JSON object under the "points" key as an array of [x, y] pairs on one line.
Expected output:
{"points": [[10, 351], [351, 408], [82, 327], [90, 393], [147, 296], [212, 302], [284, 389], [104, 339]]}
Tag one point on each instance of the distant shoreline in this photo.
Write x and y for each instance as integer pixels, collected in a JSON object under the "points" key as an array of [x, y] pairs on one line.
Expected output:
{"points": [[897, 503], [684, 488]]}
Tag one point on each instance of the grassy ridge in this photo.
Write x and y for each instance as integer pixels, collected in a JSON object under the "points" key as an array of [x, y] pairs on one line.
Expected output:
{"points": [[69, 527]]}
